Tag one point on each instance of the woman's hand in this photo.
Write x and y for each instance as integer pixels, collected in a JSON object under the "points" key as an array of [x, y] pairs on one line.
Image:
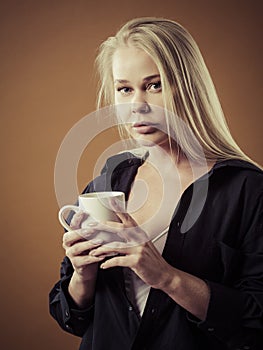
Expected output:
{"points": [[143, 259], [138, 253], [78, 244]]}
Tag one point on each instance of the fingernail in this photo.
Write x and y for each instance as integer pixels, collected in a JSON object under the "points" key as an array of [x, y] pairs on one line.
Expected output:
{"points": [[96, 241], [92, 253], [91, 224], [84, 231]]}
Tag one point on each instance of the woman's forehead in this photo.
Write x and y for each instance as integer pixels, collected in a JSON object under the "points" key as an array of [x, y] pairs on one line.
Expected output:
{"points": [[130, 60]]}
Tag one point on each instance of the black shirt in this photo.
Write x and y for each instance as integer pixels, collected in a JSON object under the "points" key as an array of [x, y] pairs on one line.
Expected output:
{"points": [[216, 234]]}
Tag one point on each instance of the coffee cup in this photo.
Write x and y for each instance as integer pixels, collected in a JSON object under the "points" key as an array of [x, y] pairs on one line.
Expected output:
{"points": [[98, 207]]}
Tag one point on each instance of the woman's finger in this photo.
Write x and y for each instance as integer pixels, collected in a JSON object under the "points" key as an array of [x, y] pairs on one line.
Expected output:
{"points": [[125, 218], [81, 261], [81, 248], [109, 249], [77, 219], [109, 226], [121, 261], [115, 245], [127, 232], [72, 237], [133, 235]]}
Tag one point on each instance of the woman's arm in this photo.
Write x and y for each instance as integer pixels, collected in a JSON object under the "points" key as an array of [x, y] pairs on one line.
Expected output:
{"points": [[188, 291], [71, 299], [82, 283]]}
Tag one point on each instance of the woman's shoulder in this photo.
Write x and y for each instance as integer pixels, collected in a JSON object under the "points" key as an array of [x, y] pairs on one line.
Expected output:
{"points": [[239, 164], [241, 173]]}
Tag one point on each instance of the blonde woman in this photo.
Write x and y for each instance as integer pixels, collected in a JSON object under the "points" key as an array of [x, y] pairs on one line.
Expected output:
{"points": [[191, 274]]}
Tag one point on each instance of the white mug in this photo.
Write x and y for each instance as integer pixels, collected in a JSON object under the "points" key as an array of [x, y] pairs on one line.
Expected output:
{"points": [[98, 207]]}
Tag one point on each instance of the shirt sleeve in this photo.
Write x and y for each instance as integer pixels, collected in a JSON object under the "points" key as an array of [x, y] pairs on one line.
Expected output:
{"points": [[62, 307], [235, 311]]}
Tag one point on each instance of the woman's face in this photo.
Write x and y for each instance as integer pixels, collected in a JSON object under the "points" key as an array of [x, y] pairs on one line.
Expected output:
{"points": [[138, 96]]}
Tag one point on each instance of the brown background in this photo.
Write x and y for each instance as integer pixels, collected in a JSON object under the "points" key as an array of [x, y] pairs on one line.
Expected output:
{"points": [[47, 84]]}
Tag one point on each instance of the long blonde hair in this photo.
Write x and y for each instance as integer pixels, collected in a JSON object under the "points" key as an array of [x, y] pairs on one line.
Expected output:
{"points": [[188, 90]]}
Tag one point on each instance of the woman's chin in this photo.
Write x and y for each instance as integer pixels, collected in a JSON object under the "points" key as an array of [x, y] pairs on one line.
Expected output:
{"points": [[150, 140], [145, 141]]}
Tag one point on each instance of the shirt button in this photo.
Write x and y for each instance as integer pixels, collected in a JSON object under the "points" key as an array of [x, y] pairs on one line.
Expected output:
{"points": [[153, 310], [67, 326], [211, 329], [130, 308], [67, 313]]}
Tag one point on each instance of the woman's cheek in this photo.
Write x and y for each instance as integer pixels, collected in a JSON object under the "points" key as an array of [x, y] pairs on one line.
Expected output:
{"points": [[123, 112]]}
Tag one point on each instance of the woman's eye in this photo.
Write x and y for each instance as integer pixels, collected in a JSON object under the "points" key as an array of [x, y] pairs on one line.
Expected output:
{"points": [[124, 90], [155, 87]]}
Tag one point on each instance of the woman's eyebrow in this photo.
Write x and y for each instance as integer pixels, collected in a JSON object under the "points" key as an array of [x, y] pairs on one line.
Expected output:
{"points": [[150, 77], [122, 81]]}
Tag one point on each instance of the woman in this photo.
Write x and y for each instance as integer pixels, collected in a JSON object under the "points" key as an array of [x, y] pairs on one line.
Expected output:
{"points": [[198, 284]]}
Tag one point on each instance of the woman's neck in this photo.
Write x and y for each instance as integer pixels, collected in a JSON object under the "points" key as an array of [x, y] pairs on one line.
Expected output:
{"points": [[166, 156], [172, 159]]}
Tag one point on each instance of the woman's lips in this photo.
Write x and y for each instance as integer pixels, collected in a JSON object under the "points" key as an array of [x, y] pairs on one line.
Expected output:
{"points": [[144, 127]]}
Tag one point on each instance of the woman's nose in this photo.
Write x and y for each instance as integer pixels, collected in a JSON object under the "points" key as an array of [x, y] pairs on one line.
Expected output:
{"points": [[139, 104]]}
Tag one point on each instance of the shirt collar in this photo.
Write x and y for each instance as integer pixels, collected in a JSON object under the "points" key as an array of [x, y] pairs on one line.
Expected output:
{"points": [[136, 156]]}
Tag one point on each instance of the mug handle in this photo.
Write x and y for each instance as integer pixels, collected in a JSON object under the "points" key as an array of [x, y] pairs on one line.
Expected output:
{"points": [[61, 215]]}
